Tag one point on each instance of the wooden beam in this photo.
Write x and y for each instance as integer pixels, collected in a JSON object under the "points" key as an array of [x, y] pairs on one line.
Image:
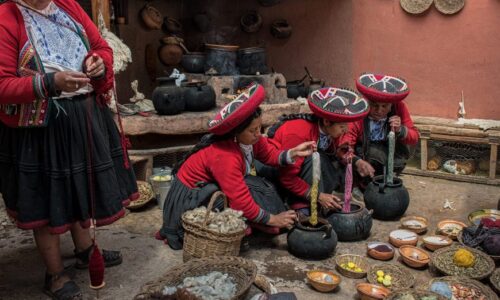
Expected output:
{"points": [[423, 154], [448, 176], [493, 160]]}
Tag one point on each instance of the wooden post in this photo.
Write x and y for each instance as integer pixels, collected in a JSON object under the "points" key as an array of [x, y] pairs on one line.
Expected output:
{"points": [[103, 6], [424, 137], [493, 156]]}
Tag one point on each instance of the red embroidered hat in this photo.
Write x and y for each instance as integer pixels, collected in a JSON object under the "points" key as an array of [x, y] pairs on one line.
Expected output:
{"points": [[237, 110], [338, 105], [382, 88]]}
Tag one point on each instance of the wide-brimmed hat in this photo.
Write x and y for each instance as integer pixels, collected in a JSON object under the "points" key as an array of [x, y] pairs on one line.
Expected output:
{"points": [[415, 6], [238, 110], [338, 105], [382, 88], [449, 7]]}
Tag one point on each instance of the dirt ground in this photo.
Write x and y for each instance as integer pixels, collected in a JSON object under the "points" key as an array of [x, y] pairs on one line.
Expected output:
{"points": [[21, 269]]}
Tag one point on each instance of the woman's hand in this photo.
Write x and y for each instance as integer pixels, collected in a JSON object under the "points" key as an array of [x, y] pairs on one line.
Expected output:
{"points": [[329, 201], [364, 168], [395, 122], [94, 66], [304, 149], [284, 219], [70, 81]]}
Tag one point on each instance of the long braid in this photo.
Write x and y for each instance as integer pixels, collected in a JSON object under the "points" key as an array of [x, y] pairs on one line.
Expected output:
{"points": [[283, 118], [210, 138]]}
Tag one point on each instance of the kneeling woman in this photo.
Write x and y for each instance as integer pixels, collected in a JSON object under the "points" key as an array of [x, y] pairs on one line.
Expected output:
{"points": [[222, 160], [332, 109]]}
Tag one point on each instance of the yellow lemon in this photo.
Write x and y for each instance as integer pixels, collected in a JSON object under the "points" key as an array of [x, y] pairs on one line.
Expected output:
{"points": [[358, 270], [386, 282], [343, 266], [380, 273], [380, 279], [351, 265], [388, 277]]}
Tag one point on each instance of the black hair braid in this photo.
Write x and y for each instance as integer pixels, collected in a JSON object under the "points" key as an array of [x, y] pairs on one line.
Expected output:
{"points": [[210, 138], [283, 118]]}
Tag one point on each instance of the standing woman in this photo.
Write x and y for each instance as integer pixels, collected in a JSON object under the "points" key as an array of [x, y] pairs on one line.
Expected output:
{"points": [[224, 160], [332, 109], [62, 159]]}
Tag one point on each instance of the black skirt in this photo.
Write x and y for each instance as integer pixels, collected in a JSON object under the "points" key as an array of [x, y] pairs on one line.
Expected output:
{"points": [[46, 174]]}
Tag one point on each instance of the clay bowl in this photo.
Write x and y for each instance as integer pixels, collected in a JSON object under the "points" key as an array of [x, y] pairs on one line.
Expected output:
{"points": [[415, 223], [434, 242], [380, 255], [414, 257], [368, 291], [403, 237], [450, 228], [323, 281]]}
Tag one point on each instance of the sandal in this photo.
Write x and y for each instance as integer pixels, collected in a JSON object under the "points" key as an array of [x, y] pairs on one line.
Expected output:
{"points": [[111, 258], [69, 290]]}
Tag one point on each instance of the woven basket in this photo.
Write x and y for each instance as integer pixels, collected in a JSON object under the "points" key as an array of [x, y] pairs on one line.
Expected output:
{"points": [[146, 194], [241, 270], [495, 280], [496, 258], [401, 278], [415, 6], [199, 241], [486, 291], [417, 294], [449, 7], [442, 259], [359, 260]]}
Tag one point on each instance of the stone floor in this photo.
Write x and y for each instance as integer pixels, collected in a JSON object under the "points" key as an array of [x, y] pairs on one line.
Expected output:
{"points": [[21, 269]]}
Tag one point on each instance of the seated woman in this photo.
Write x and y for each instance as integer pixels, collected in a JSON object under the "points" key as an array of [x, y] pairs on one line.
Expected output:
{"points": [[388, 111], [222, 160], [332, 109]]}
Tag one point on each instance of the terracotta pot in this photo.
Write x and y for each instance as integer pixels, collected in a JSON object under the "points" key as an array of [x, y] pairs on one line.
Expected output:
{"points": [[151, 17], [251, 22], [171, 25], [281, 29], [170, 53]]}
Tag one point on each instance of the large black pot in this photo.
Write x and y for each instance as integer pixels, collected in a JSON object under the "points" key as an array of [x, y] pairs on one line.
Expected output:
{"points": [[352, 226], [388, 200], [193, 62], [252, 61], [222, 59], [198, 96], [296, 88], [167, 97], [306, 241]]}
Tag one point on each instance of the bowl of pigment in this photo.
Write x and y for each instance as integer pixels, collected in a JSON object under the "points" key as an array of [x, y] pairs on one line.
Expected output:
{"points": [[380, 250]]}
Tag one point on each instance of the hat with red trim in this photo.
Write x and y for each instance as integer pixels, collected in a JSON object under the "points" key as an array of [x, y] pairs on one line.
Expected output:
{"points": [[382, 88], [238, 110], [338, 105]]}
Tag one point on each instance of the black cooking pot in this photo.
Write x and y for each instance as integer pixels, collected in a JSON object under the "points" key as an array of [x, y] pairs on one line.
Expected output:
{"points": [[296, 88], [312, 242], [351, 226], [198, 96], [193, 62], [252, 61], [167, 97], [222, 59], [388, 200]]}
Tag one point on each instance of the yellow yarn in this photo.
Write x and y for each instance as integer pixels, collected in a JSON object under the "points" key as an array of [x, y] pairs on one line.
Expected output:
{"points": [[314, 203], [464, 258]]}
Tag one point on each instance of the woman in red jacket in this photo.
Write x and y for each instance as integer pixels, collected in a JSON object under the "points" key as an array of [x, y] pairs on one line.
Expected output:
{"points": [[333, 109], [222, 160], [388, 111], [61, 156]]}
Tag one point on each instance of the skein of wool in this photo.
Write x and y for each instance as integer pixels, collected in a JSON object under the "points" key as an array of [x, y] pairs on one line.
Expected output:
{"points": [[96, 269]]}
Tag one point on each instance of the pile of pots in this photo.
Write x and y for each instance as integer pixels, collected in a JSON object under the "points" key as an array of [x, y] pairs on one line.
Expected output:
{"points": [[170, 99]]}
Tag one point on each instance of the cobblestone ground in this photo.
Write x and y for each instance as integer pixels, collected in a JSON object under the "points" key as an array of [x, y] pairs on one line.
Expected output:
{"points": [[145, 259]]}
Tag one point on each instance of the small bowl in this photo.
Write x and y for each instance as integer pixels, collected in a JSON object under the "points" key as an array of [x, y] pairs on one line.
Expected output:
{"points": [[450, 228], [415, 223], [476, 216], [414, 257], [403, 237], [377, 254], [434, 242], [368, 291], [323, 281]]}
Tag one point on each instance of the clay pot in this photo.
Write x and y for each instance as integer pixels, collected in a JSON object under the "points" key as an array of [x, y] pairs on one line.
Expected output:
{"points": [[171, 25], [306, 241], [193, 62], [221, 58], [198, 96], [251, 22], [202, 22], [280, 29], [168, 98], [151, 17], [170, 53], [269, 2], [388, 200], [352, 226], [252, 61]]}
